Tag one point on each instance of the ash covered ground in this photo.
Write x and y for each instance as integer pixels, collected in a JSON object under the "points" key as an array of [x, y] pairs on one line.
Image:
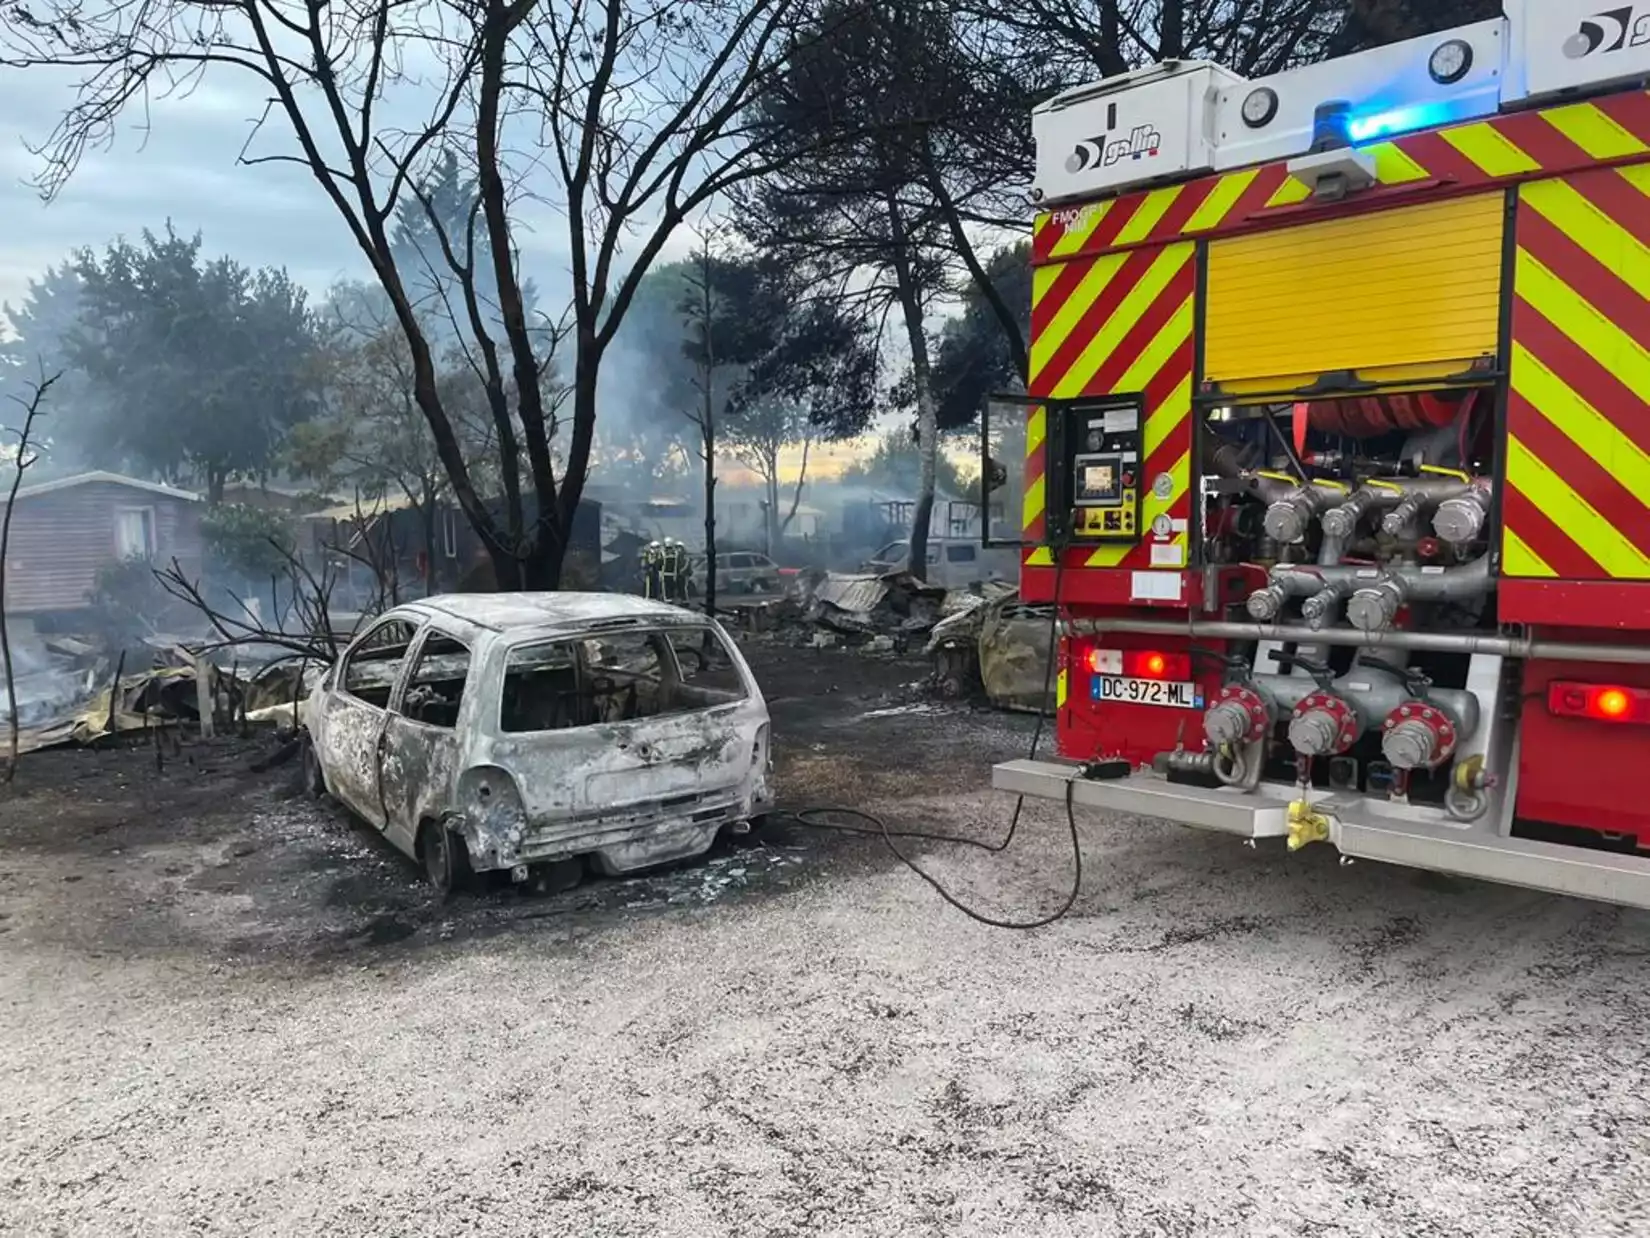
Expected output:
{"points": [[229, 1010]]}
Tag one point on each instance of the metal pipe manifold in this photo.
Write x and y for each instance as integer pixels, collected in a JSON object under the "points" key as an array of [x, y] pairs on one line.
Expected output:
{"points": [[1461, 518], [1375, 606], [1419, 495], [1288, 519], [1341, 522]]}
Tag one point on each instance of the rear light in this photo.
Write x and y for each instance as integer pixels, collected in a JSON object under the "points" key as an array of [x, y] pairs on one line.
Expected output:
{"points": [[1598, 701], [1139, 663], [1104, 661], [1153, 664]]}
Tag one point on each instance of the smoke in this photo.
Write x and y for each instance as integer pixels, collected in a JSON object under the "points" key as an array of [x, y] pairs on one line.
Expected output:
{"points": [[646, 439]]}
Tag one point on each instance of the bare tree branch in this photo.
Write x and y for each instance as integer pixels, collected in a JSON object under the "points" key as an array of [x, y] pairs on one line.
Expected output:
{"points": [[32, 406]]}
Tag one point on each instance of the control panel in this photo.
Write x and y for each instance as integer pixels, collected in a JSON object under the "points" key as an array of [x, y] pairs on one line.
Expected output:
{"points": [[1094, 466]]}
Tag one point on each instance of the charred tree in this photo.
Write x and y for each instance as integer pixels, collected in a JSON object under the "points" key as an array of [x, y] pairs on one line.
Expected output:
{"points": [[700, 309], [32, 407]]}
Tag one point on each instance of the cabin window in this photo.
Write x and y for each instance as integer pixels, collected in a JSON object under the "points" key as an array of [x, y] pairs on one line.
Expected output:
{"points": [[135, 533]]}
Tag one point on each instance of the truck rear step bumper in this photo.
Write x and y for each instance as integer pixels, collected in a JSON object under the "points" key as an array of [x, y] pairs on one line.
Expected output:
{"points": [[1360, 826]]}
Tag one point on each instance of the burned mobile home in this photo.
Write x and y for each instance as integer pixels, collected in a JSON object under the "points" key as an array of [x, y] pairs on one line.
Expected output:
{"points": [[67, 533], [504, 731]]}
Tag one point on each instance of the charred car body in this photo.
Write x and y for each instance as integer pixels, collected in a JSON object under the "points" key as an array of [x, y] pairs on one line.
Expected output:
{"points": [[502, 731]]}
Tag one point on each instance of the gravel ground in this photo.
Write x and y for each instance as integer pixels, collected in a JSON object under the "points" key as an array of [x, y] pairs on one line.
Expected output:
{"points": [[226, 1011]]}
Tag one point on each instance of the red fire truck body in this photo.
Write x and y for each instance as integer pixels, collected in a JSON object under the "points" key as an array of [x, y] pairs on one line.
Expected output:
{"points": [[1335, 456]]}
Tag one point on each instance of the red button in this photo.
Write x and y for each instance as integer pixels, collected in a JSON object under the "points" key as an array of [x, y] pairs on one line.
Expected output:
{"points": [[1128, 480]]}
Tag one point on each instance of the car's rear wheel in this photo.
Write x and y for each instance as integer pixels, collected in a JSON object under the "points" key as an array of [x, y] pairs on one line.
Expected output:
{"points": [[446, 861]]}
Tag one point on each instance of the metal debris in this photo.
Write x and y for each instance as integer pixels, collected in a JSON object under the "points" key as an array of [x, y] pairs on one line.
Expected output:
{"points": [[141, 702], [997, 645], [878, 614]]}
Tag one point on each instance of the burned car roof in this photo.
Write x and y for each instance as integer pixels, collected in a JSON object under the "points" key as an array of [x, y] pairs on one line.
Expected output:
{"points": [[502, 611]]}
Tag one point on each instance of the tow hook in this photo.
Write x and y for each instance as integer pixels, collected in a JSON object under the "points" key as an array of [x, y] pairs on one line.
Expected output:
{"points": [[1467, 797], [1306, 826]]}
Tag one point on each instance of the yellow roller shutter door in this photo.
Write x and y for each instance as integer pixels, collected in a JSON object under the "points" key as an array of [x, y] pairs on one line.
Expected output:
{"points": [[1402, 294]]}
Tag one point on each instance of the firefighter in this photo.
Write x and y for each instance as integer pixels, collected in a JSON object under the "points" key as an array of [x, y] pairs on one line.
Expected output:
{"points": [[675, 571], [653, 560], [667, 570], [684, 577]]}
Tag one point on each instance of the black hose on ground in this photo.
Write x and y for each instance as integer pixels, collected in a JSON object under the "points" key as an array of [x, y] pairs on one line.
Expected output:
{"points": [[877, 827]]}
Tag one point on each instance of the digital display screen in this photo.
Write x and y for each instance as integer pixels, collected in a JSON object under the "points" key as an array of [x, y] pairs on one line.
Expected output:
{"points": [[1098, 480]]}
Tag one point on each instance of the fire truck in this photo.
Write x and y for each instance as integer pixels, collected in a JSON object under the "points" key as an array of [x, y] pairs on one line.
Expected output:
{"points": [[1334, 457]]}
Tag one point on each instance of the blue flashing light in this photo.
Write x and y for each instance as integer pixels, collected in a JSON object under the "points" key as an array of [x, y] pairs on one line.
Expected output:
{"points": [[1388, 124]]}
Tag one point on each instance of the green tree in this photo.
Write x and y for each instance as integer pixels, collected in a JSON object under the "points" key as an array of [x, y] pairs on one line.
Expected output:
{"points": [[790, 367], [199, 369], [255, 544], [773, 367], [251, 540], [895, 464], [974, 355]]}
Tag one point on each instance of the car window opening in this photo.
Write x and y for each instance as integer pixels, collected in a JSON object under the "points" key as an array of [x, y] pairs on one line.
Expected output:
{"points": [[435, 689], [375, 664], [628, 677]]}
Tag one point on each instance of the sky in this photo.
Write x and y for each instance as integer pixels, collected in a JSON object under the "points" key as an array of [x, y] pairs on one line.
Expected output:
{"points": [[184, 168]]}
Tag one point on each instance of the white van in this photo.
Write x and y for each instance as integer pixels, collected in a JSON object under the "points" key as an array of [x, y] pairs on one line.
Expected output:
{"points": [[953, 563]]}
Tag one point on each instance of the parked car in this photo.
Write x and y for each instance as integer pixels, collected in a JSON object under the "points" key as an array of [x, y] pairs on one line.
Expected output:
{"points": [[501, 731], [952, 562], [741, 571]]}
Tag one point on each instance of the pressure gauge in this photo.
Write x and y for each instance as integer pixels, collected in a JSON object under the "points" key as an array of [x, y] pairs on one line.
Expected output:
{"points": [[1450, 61], [1162, 526], [1260, 107]]}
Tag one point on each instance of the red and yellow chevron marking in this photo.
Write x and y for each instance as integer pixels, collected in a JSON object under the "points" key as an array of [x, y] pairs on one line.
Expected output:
{"points": [[1578, 425], [1118, 324], [1518, 146], [1034, 504]]}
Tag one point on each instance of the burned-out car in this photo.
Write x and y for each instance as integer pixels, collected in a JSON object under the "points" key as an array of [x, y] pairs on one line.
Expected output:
{"points": [[503, 731]]}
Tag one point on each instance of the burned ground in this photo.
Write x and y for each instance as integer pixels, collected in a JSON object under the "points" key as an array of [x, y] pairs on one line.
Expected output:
{"points": [[197, 850], [228, 1009]]}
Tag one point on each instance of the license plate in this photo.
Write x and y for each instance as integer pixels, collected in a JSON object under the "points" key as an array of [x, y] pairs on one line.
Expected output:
{"points": [[1146, 692]]}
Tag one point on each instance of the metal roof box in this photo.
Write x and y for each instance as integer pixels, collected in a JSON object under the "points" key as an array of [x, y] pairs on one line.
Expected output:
{"points": [[1155, 124], [1559, 49]]}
